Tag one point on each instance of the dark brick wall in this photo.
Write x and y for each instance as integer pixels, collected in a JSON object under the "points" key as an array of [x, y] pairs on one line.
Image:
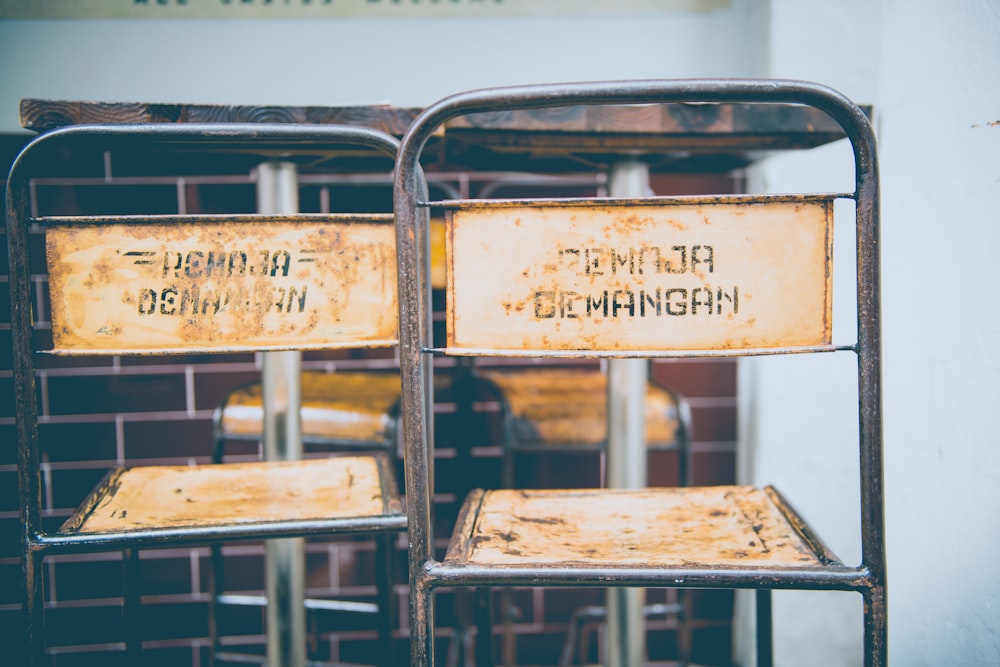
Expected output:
{"points": [[99, 412]]}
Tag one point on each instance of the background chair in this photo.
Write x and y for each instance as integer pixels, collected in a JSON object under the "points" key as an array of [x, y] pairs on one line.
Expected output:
{"points": [[341, 412], [711, 537], [114, 268], [557, 409]]}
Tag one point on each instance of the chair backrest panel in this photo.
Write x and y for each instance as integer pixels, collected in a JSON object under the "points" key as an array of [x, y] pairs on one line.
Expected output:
{"points": [[126, 285], [604, 276]]}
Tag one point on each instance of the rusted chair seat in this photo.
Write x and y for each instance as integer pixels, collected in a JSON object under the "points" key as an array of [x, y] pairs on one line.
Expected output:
{"points": [[547, 527], [146, 497], [733, 527]]}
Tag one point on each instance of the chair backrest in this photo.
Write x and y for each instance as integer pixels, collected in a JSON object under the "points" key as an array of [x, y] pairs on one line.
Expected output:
{"points": [[607, 277], [220, 284], [652, 277], [185, 284]]}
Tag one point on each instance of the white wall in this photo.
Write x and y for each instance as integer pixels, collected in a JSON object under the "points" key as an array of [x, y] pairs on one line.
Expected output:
{"points": [[356, 61], [931, 74], [798, 425], [939, 96]]}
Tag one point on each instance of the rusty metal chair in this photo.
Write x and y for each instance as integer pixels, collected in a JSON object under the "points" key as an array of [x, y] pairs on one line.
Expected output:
{"points": [[341, 412], [118, 285], [511, 294]]}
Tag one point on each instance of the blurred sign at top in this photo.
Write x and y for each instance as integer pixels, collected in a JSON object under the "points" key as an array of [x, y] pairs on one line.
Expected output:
{"points": [[282, 9]]}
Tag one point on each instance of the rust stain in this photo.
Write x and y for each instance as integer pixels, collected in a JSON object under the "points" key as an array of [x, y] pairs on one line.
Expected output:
{"points": [[709, 525], [548, 521]]}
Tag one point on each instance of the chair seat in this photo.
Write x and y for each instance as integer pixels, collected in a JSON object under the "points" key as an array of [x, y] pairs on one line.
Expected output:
{"points": [[569, 407], [660, 527], [205, 496], [335, 406]]}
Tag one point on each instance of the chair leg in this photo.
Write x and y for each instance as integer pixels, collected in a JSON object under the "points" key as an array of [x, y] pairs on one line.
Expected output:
{"points": [[510, 612], [132, 606], [684, 642], [876, 630], [421, 624], [508, 646], [575, 645], [34, 607], [484, 628], [765, 639], [384, 595], [216, 585], [466, 647]]}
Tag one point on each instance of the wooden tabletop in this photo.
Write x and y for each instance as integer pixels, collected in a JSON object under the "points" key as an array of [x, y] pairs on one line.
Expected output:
{"points": [[673, 137]]}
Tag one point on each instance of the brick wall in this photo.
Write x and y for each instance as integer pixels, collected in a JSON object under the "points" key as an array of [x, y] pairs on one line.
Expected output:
{"points": [[98, 412]]}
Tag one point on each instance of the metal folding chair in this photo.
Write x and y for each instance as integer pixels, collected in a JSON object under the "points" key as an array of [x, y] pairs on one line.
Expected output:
{"points": [[150, 285], [704, 284]]}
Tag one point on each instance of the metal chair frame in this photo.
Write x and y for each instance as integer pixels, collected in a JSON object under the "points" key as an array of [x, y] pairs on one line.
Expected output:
{"points": [[37, 541], [427, 573]]}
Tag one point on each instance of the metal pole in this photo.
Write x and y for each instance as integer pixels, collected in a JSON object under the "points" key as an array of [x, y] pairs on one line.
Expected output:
{"points": [[626, 453], [277, 193]]}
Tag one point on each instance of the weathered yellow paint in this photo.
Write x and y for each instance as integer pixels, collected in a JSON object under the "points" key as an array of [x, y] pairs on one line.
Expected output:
{"points": [[348, 406], [222, 284], [712, 526], [216, 495], [642, 275], [439, 270], [570, 406]]}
